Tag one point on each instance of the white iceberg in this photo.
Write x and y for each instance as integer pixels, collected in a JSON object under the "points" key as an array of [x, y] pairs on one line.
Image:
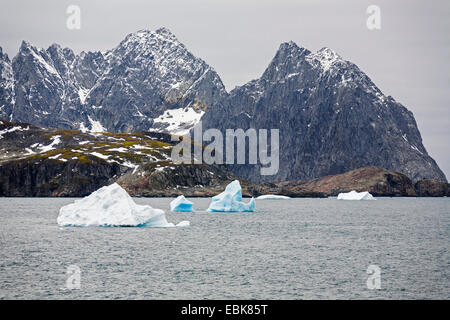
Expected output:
{"points": [[181, 204], [231, 200], [184, 223], [353, 195], [272, 197], [112, 206]]}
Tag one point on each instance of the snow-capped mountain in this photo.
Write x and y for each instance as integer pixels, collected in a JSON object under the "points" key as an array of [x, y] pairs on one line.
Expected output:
{"points": [[45, 90], [331, 116], [46, 162], [149, 81], [151, 75]]}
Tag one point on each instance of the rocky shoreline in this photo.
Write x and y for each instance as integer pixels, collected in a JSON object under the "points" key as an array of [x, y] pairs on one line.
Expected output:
{"points": [[378, 181]]}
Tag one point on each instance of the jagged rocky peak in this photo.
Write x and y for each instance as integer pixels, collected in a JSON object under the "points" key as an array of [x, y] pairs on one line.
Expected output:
{"points": [[87, 68], [166, 32], [34, 58], [6, 72], [288, 59], [290, 49], [5, 66], [324, 58], [165, 87], [153, 45], [6, 86], [162, 33], [332, 118], [26, 48], [341, 73], [62, 60], [3, 56], [56, 51], [44, 87], [150, 81], [161, 51], [291, 58]]}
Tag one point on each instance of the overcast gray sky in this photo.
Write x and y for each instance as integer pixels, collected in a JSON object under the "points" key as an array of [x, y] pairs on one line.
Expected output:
{"points": [[409, 58]]}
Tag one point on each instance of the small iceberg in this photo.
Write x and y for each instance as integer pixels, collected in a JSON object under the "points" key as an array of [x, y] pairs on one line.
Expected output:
{"points": [[272, 197], [231, 200], [181, 204], [112, 206], [353, 195], [184, 223]]}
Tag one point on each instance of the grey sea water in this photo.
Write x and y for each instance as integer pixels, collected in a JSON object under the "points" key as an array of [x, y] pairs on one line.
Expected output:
{"points": [[292, 249]]}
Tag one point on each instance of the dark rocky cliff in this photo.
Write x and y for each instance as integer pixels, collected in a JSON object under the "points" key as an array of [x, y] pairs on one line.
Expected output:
{"points": [[331, 116], [39, 162]]}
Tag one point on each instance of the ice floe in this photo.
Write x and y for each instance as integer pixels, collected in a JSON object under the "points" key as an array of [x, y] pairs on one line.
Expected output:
{"points": [[181, 204], [231, 200], [272, 197], [112, 206], [353, 195]]}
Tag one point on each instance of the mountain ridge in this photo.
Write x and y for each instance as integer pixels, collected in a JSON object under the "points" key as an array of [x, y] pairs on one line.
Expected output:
{"points": [[42, 162], [332, 116], [123, 89]]}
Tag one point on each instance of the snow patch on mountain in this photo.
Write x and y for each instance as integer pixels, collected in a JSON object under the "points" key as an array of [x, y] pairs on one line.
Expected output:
{"points": [[178, 121], [17, 128], [82, 93], [96, 126], [324, 58], [100, 155], [55, 141]]}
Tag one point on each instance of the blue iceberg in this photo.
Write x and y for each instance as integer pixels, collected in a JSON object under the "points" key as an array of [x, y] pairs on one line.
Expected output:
{"points": [[181, 204], [231, 200]]}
